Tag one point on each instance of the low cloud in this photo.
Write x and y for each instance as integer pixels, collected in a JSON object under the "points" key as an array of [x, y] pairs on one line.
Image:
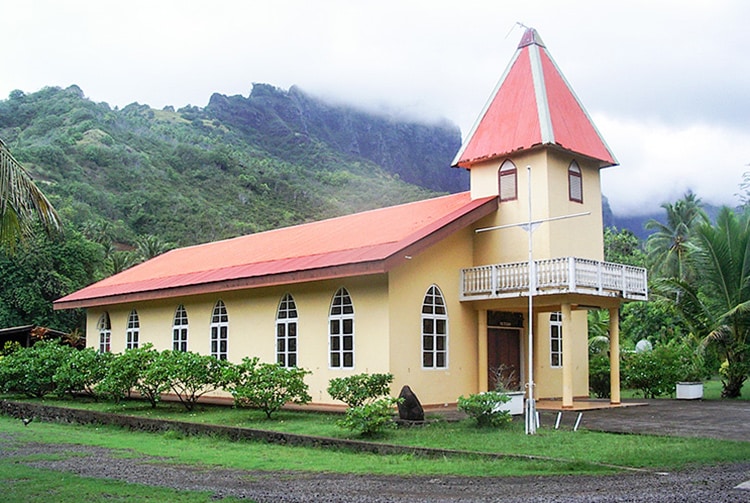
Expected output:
{"points": [[659, 163]]}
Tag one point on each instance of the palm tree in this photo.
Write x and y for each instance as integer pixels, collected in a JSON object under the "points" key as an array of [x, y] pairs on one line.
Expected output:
{"points": [[598, 332], [669, 246], [148, 247], [20, 199], [718, 306]]}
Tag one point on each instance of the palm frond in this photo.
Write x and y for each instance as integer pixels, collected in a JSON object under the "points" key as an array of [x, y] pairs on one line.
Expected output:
{"points": [[20, 201]]}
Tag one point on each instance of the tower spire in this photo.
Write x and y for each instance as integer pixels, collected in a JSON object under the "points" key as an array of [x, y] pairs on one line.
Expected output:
{"points": [[532, 106]]}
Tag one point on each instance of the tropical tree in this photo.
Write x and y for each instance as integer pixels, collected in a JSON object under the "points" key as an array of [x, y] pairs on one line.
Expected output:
{"points": [[20, 200], [718, 306], [669, 245]]}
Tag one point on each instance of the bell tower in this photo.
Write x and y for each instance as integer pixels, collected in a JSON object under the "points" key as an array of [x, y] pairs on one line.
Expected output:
{"points": [[534, 130]]}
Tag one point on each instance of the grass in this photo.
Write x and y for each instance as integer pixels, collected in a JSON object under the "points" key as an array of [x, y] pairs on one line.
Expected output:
{"points": [[578, 451], [206, 450]]}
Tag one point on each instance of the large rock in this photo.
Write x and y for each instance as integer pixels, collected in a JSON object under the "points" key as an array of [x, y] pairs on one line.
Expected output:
{"points": [[409, 409]]}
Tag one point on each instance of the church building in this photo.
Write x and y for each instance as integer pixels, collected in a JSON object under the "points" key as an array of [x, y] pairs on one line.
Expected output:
{"points": [[444, 293]]}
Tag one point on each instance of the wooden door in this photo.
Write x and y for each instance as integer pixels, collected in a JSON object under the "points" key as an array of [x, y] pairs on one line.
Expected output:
{"points": [[503, 352]]}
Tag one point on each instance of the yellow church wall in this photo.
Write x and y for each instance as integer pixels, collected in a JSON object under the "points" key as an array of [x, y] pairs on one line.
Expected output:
{"points": [[252, 325], [439, 265]]}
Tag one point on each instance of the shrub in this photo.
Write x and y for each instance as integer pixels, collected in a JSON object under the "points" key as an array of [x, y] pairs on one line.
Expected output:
{"points": [[122, 375], [654, 373], [360, 388], [81, 371], [483, 407], [31, 371], [370, 418], [10, 347], [152, 380], [191, 375], [599, 376], [267, 386], [370, 410]]}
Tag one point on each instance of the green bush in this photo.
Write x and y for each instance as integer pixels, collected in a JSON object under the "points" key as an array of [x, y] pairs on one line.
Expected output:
{"points": [[654, 373], [370, 418], [152, 380], [483, 407], [369, 410], [267, 386], [122, 376], [192, 375], [81, 371], [360, 388], [599, 376], [31, 371]]}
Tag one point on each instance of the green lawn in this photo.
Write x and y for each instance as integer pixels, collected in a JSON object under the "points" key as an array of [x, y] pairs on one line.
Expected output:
{"points": [[580, 452], [576, 451]]}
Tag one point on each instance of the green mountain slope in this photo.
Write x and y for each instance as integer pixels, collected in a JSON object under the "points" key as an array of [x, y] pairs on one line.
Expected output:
{"points": [[237, 166]]}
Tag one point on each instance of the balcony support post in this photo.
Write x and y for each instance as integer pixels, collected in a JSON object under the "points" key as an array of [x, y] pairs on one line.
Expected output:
{"points": [[567, 356], [482, 353]]}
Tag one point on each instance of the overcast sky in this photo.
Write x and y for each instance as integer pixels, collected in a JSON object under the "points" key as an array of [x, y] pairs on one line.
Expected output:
{"points": [[666, 82]]}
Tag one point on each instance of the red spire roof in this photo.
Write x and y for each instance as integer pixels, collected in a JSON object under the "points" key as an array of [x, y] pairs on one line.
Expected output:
{"points": [[370, 242], [532, 105]]}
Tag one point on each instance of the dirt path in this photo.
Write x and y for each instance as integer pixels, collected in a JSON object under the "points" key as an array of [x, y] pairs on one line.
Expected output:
{"points": [[715, 484]]}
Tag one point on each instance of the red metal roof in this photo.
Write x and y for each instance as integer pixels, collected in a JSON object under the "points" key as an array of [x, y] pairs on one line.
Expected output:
{"points": [[532, 105], [363, 243]]}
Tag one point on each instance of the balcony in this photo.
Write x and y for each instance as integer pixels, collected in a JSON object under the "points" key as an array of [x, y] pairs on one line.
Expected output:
{"points": [[554, 276]]}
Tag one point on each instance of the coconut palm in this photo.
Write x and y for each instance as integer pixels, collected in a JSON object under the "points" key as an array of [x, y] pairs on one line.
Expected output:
{"points": [[718, 306], [669, 246], [20, 200], [598, 331]]}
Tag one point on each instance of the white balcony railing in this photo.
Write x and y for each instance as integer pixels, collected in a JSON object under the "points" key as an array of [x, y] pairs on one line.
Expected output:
{"points": [[550, 276]]}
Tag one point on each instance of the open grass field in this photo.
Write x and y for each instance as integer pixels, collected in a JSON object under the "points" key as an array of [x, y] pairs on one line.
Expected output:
{"points": [[562, 451], [558, 452]]}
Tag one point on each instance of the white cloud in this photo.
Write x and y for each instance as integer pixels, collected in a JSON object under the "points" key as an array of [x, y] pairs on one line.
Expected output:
{"points": [[667, 82], [660, 163]]}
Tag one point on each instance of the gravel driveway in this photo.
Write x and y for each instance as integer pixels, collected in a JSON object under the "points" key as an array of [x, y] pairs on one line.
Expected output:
{"points": [[712, 484]]}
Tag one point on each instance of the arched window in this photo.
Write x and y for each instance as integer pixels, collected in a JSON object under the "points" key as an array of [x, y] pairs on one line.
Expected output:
{"points": [[555, 340], [180, 329], [286, 332], [105, 333], [508, 181], [341, 331], [133, 330], [434, 329], [575, 183], [219, 331]]}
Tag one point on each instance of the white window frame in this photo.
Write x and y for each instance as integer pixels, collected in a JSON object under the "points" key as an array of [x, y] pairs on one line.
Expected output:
{"points": [[507, 181], [434, 329], [220, 331], [341, 331], [286, 332], [180, 329], [575, 183], [133, 330], [105, 333], [555, 340]]}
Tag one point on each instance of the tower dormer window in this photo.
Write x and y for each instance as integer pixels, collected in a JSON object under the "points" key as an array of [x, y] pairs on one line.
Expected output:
{"points": [[507, 180], [575, 183]]}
